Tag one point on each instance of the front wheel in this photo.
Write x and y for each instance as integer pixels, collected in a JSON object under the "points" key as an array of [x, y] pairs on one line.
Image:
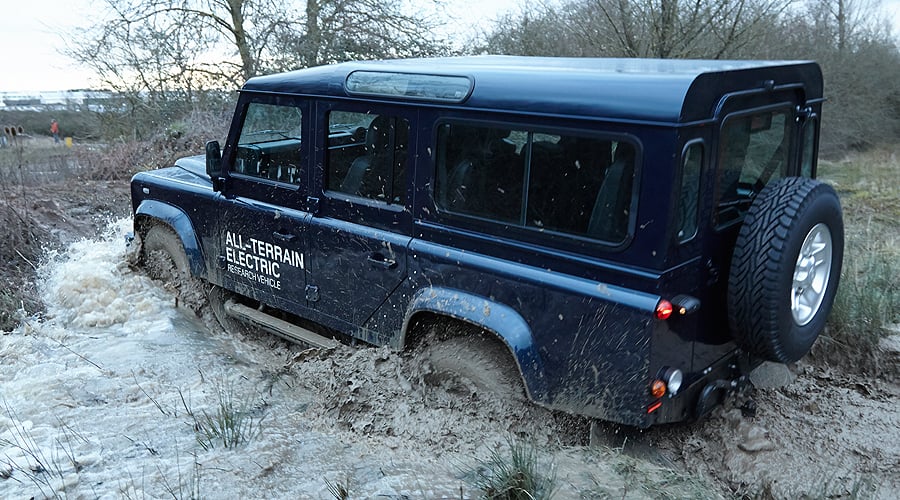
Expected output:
{"points": [[218, 297], [164, 259], [785, 269]]}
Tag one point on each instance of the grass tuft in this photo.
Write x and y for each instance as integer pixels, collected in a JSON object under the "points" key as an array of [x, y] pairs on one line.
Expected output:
{"points": [[231, 424], [337, 489], [25, 458], [516, 475], [869, 293]]}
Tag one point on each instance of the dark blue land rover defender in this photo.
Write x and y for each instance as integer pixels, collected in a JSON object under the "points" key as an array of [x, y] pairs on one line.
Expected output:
{"points": [[619, 239]]}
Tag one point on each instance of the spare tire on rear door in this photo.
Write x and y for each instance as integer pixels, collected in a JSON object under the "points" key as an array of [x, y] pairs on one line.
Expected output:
{"points": [[785, 269]]}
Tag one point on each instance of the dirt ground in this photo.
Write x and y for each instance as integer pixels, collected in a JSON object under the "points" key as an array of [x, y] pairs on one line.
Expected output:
{"points": [[811, 431]]}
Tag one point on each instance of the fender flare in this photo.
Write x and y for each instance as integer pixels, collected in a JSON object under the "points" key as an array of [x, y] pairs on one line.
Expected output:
{"points": [[501, 320], [179, 221]]}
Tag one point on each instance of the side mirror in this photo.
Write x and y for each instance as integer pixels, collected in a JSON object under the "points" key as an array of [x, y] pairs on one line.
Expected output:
{"points": [[213, 159], [214, 164]]}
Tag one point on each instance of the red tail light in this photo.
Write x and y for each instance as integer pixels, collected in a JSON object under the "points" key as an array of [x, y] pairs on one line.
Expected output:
{"points": [[664, 309]]}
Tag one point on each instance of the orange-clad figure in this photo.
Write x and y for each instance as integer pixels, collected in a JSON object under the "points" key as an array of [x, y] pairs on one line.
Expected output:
{"points": [[54, 129]]}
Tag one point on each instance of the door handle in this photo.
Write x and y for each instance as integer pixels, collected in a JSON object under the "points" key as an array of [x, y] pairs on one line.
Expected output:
{"points": [[284, 236], [381, 260]]}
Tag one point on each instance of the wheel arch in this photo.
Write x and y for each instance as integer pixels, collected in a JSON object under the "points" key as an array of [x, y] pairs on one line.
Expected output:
{"points": [[151, 212], [502, 322]]}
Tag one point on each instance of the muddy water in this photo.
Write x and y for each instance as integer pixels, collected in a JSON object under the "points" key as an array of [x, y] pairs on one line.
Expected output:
{"points": [[101, 398]]}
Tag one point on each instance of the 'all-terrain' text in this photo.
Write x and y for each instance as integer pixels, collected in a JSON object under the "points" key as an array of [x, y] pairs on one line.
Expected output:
{"points": [[259, 260]]}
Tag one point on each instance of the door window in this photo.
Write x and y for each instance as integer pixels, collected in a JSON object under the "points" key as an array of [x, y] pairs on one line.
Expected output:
{"points": [[269, 144], [367, 155]]}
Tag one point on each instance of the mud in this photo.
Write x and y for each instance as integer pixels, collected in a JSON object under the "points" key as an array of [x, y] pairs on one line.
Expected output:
{"points": [[823, 435], [373, 419]]}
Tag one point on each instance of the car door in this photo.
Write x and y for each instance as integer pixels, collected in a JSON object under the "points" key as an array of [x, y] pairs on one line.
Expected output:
{"points": [[358, 237], [756, 146], [262, 218]]}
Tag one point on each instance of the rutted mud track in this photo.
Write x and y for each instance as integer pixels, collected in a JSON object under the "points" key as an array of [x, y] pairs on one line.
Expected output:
{"points": [[114, 366]]}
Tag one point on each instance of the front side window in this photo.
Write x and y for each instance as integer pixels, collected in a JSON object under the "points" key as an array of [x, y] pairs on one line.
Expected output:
{"points": [[578, 185], [367, 155], [269, 144], [754, 150]]}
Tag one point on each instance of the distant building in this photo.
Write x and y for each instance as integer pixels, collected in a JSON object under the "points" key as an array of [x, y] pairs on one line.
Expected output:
{"points": [[93, 100]]}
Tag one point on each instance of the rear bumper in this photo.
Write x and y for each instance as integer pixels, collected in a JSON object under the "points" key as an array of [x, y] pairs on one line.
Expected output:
{"points": [[704, 390]]}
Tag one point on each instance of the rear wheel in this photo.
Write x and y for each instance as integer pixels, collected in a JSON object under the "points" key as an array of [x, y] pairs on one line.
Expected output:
{"points": [[785, 269], [471, 362], [218, 296]]}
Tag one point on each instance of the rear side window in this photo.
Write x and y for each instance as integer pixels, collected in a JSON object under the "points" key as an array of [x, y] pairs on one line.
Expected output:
{"points": [[269, 144], [754, 150], [578, 185], [367, 155], [808, 151], [688, 202]]}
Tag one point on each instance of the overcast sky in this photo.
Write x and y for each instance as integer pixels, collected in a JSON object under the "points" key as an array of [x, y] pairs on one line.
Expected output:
{"points": [[32, 32]]}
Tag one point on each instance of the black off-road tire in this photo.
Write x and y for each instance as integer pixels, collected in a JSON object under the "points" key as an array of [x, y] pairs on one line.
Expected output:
{"points": [[785, 269], [217, 298], [162, 255], [164, 259], [472, 362]]}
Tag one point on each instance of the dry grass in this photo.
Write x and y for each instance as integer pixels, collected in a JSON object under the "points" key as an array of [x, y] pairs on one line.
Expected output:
{"points": [[868, 300]]}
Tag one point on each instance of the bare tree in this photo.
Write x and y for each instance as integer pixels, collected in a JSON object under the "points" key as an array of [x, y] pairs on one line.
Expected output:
{"points": [[642, 28], [852, 41], [190, 44]]}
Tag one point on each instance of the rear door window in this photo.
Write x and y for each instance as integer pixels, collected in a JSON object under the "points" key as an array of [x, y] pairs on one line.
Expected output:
{"points": [[754, 150], [367, 155]]}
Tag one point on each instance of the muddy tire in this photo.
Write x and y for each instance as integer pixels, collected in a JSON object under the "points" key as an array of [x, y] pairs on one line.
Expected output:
{"points": [[785, 269], [162, 255], [473, 363], [164, 259], [217, 298]]}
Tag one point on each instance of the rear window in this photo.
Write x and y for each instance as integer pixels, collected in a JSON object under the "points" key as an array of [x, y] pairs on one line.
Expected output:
{"points": [[753, 151], [570, 184]]}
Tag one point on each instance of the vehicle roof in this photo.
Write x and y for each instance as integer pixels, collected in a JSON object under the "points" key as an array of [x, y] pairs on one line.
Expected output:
{"points": [[657, 90]]}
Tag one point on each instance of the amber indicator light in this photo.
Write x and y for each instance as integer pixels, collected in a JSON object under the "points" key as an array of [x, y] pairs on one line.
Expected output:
{"points": [[658, 389]]}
